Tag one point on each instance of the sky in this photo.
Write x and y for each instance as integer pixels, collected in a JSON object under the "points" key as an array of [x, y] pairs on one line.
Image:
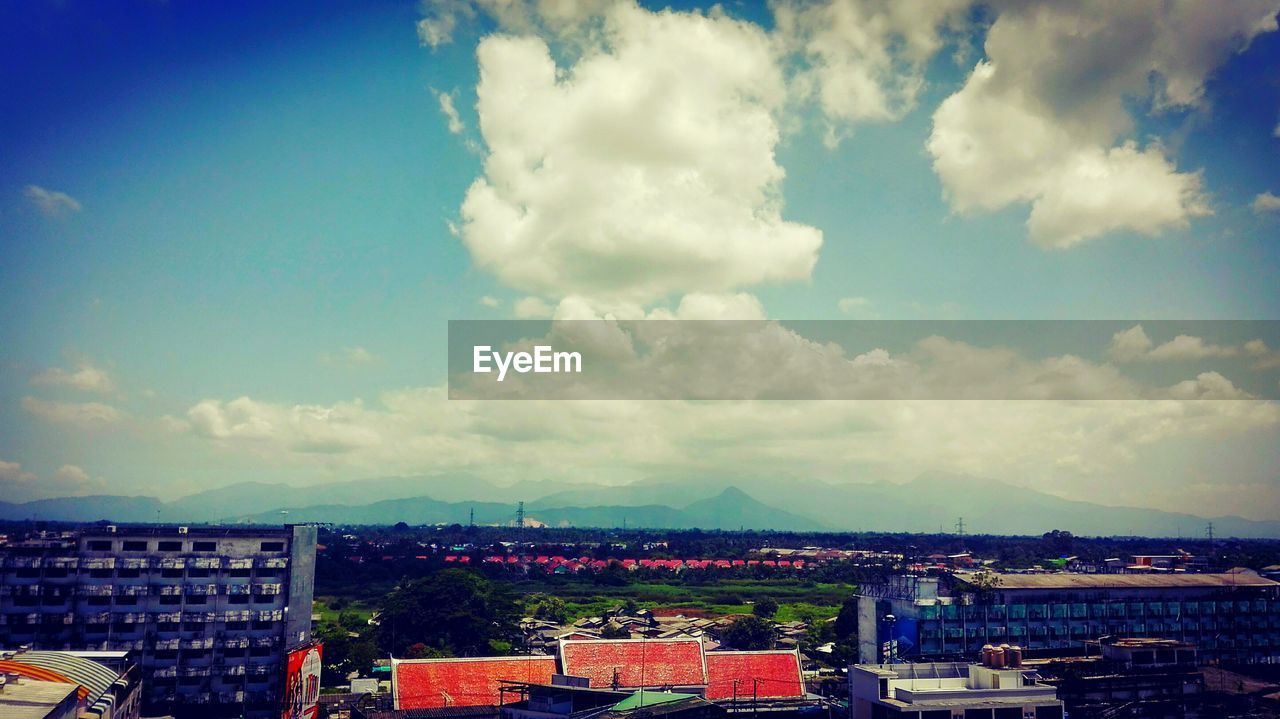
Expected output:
{"points": [[232, 234]]}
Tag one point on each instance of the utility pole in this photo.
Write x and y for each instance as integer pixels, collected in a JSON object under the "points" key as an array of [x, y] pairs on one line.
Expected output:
{"points": [[472, 523]]}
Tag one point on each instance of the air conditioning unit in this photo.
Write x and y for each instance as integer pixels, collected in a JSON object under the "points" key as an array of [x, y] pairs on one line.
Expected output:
{"points": [[183, 530], [111, 528]]}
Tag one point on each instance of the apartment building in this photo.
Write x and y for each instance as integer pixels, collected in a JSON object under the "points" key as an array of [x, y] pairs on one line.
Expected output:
{"points": [[1233, 616], [210, 612]]}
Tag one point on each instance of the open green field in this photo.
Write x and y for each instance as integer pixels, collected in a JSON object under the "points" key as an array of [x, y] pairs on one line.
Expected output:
{"points": [[796, 600]]}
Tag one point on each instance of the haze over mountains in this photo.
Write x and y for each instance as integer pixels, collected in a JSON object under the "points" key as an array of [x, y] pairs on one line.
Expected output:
{"points": [[928, 504]]}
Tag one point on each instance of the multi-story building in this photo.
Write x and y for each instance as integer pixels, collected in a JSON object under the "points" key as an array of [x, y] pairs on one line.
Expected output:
{"points": [[1232, 616], [210, 612], [949, 690]]}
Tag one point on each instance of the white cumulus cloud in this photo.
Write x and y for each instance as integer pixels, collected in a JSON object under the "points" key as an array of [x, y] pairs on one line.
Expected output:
{"points": [[1045, 118], [627, 176]]}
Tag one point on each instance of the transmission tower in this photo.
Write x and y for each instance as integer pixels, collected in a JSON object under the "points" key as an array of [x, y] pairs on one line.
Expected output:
{"points": [[520, 515]]}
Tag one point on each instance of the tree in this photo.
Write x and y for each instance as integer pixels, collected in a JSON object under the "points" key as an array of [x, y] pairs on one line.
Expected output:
{"points": [[552, 609], [847, 620], [453, 611], [766, 608], [985, 583], [748, 633]]}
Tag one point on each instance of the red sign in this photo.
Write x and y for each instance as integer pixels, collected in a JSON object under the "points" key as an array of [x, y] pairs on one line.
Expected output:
{"points": [[302, 683]]}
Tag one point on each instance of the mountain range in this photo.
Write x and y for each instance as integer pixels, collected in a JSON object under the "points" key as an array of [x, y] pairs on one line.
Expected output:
{"points": [[930, 503]]}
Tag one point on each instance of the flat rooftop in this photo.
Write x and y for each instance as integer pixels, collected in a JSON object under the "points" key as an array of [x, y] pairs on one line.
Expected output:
{"points": [[1129, 581], [30, 699]]}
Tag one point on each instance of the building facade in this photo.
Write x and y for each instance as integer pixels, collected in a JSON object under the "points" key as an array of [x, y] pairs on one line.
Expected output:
{"points": [[210, 612], [948, 690], [1228, 616]]}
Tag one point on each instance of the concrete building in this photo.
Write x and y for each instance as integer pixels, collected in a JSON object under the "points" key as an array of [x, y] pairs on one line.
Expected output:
{"points": [[1141, 678], [210, 612], [949, 690], [1233, 616]]}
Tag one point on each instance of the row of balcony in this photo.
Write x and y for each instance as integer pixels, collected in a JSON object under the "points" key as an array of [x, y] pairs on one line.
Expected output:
{"points": [[140, 590], [143, 562], [264, 615]]}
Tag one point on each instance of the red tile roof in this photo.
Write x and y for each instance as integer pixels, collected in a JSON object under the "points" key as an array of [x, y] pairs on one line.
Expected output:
{"points": [[434, 683], [773, 674], [638, 662]]}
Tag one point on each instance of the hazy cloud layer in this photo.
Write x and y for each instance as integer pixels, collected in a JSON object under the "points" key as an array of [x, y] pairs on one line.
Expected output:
{"points": [[51, 203], [18, 485], [85, 377]]}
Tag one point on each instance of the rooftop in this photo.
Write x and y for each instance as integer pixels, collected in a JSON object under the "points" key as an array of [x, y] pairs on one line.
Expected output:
{"points": [[435, 683], [636, 662], [764, 674], [26, 698], [1129, 581]]}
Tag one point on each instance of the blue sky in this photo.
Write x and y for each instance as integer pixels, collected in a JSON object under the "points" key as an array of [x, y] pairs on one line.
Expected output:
{"points": [[265, 200]]}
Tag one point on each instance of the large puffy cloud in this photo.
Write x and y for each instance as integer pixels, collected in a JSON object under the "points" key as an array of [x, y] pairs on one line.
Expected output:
{"points": [[627, 177], [1045, 118], [862, 60]]}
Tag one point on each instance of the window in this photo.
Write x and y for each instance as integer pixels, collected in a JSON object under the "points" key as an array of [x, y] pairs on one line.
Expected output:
{"points": [[170, 600], [28, 572], [262, 625], [1009, 713], [238, 599], [169, 545], [204, 546], [1049, 712], [237, 626], [55, 572], [273, 546], [198, 573], [126, 601], [171, 573], [99, 601], [100, 573], [238, 572], [135, 545], [196, 599], [128, 573], [977, 714], [99, 545]]}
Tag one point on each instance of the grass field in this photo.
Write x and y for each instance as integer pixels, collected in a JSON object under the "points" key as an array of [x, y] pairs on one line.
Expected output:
{"points": [[796, 600]]}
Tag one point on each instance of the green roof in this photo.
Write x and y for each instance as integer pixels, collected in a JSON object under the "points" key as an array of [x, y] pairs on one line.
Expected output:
{"points": [[643, 698]]}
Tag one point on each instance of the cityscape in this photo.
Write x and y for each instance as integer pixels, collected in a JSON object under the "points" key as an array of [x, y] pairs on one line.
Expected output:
{"points": [[639, 359]]}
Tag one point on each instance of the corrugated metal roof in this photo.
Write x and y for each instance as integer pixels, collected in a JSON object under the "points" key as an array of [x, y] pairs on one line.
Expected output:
{"points": [[1129, 581], [91, 675]]}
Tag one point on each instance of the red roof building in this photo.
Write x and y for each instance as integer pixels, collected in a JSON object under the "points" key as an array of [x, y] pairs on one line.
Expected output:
{"points": [[636, 662], [767, 674], [435, 683]]}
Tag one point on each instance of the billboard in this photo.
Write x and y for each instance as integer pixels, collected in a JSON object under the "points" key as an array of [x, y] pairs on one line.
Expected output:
{"points": [[302, 682]]}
